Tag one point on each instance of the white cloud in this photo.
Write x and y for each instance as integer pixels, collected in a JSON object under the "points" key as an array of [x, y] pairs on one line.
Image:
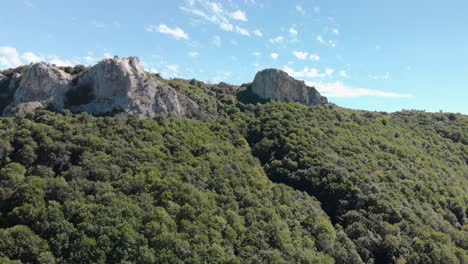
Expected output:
{"points": [[217, 41], [60, 62], [302, 55], [256, 54], [292, 31], [193, 54], [300, 9], [338, 89], [226, 26], [274, 55], [329, 72], [314, 57], [108, 55], [320, 39], [214, 13], [176, 32], [278, 39], [242, 31], [344, 74], [9, 57], [216, 7], [308, 72], [336, 31], [257, 33], [29, 57], [239, 15]]}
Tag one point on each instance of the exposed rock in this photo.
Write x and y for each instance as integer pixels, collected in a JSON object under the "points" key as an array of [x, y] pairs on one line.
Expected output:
{"points": [[279, 86], [43, 83], [28, 107], [170, 103], [119, 84]]}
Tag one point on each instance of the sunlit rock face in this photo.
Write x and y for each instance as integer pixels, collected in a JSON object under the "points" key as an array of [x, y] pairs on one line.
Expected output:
{"points": [[112, 85], [42, 83], [277, 85]]}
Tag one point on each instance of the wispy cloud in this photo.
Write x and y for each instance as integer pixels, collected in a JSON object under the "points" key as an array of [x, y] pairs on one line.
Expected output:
{"points": [[175, 32], [257, 33], [322, 41], [242, 31], [384, 76], [276, 40], [217, 41], [215, 13], [300, 55], [308, 73], [193, 54], [339, 89], [300, 9], [303, 55], [314, 57], [9, 57], [292, 31], [274, 55], [239, 15]]}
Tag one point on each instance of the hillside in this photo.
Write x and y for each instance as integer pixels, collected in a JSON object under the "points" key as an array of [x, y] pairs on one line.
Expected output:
{"points": [[229, 176]]}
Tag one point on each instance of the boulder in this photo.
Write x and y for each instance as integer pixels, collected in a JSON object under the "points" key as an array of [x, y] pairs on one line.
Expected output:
{"points": [[277, 85]]}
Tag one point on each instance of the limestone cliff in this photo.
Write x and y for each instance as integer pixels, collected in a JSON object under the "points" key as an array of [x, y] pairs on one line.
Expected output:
{"points": [[277, 85], [112, 85]]}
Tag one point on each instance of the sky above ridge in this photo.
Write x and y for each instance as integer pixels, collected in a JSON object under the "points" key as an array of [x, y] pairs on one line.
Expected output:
{"points": [[362, 54]]}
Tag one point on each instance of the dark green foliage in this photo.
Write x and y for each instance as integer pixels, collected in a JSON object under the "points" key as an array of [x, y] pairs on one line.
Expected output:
{"points": [[114, 190], [386, 179], [264, 183], [248, 97]]}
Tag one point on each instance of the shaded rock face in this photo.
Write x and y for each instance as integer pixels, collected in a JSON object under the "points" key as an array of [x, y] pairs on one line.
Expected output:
{"points": [[112, 85], [277, 85]]}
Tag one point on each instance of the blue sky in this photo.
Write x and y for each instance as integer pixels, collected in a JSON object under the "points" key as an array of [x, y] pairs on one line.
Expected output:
{"points": [[373, 55]]}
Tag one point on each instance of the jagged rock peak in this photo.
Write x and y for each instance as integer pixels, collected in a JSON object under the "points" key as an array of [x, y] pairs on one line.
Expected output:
{"points": [[277, 85]]}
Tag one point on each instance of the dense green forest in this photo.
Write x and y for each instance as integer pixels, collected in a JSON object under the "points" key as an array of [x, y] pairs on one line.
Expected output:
{"points": [[251, 183]]}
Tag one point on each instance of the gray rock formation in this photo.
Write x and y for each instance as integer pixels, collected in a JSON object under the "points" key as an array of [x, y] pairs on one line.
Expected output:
{"points": [[112, 85], [118, 85], [42, 83], [277, 85]]}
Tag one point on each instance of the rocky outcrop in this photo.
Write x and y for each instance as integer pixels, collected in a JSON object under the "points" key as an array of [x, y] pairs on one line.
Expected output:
{"points": [[118, 84], [43, 83], [277, 85], [112, 85]]}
